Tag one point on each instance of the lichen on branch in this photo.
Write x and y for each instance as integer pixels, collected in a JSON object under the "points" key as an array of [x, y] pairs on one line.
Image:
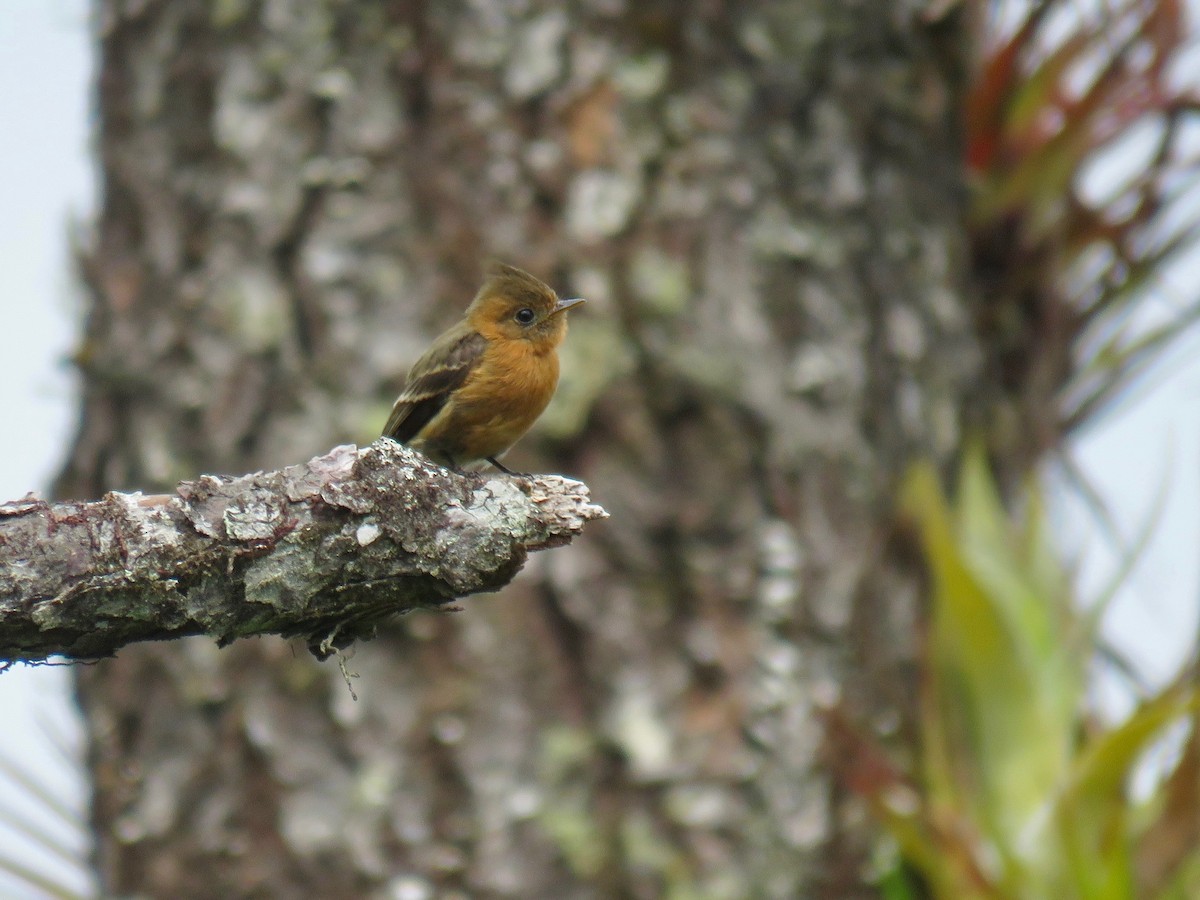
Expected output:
{"points": [[326, 551]]}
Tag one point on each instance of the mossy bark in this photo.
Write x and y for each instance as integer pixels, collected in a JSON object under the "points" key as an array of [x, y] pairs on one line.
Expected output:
{"points": [[326, 551]]}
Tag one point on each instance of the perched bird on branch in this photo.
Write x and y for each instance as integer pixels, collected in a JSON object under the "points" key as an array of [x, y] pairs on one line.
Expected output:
{"points": [[484, 382]]}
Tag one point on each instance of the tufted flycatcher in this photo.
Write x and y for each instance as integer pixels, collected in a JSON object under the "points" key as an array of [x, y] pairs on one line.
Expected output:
{"points": [[480, 386]]}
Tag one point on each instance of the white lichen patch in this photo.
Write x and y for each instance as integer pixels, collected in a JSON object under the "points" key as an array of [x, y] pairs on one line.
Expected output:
{"points": [[310, 822], [701, 806], [155, 526], [905, 332], [255, 306], [366, 533], [641, 77], [600, 203], [537, 59], [409, 887], [660, 281], [257, 520], [638, 727]]}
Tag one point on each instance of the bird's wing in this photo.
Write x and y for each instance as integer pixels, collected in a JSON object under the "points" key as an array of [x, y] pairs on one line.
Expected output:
{"points": [[441, 370]]}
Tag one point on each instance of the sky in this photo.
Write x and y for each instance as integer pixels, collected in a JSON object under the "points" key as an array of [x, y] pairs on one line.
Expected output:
{"points": [[45, 184], [1143, 457]]}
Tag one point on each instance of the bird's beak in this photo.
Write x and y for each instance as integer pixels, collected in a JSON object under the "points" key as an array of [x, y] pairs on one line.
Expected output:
{"points": [[564, 305]]}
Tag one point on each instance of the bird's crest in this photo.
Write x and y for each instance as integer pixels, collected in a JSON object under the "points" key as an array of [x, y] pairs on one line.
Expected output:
{"points": [[508, 281]]}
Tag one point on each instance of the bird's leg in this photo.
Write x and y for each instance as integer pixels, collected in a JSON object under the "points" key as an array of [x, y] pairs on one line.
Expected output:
{"points": [[495, 462]]}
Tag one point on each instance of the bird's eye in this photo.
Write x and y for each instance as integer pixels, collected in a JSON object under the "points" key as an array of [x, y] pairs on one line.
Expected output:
{"points": [[524, 316]]}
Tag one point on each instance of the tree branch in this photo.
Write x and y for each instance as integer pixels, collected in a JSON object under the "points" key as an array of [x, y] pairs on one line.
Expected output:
{"points": [[326, 551]]}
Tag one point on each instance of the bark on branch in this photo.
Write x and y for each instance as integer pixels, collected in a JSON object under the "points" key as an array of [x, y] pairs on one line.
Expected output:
{"points": [[326, 551]]}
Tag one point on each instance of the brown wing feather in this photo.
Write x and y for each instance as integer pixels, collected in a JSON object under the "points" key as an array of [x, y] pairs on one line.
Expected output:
{"points": [[441, 370]]}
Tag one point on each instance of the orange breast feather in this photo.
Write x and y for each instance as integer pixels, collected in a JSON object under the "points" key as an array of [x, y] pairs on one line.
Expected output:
{"points": [[503, 398]]}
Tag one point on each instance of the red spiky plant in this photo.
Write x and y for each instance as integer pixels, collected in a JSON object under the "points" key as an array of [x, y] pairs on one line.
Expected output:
{"points": [[1077, 164]]}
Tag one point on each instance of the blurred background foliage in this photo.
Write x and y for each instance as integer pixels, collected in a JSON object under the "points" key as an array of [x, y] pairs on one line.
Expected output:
{"points": [[1019, 788], [1065, 92]]}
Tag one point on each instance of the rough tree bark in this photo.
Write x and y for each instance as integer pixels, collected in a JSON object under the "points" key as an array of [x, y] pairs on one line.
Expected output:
{"points": [[327, 551], [762, 200]]}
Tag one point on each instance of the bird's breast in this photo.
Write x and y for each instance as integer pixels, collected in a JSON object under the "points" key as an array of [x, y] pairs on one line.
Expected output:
{"points": [[511, 388]]}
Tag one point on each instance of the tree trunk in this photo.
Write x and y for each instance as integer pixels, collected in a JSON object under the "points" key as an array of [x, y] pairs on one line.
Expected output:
{"points": [[762, 200]]}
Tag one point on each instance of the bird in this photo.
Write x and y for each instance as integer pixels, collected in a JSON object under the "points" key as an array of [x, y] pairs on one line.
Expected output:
{"points": [[484, 381]]}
